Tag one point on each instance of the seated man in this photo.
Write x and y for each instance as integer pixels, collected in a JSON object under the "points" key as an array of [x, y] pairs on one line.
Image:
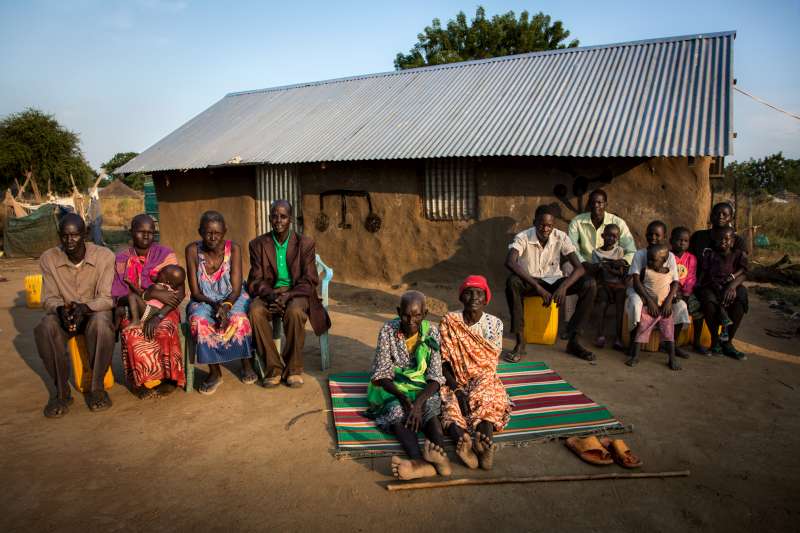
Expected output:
{"points": [[283, 282], [722, 295], [473, 399], [403, 393], [656, 234], [77, 279], [534, 259]]}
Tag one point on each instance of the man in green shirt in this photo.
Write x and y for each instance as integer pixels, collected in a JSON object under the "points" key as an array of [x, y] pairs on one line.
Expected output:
{"points": [[283, 283]]}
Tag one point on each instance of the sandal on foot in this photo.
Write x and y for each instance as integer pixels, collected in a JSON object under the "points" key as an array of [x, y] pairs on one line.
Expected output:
{"points": [[56, 407], [513, 357], [590, 450], [209, 388], [99, 401], [248, 378], [295, 381], [621, 454], [143, 393], [573, 348], [600, 342], [271, 382], [729, 350]]}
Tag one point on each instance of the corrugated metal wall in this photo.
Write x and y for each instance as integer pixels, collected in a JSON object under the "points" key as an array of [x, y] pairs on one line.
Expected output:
{"points": [[277, 182], [450, 191]]}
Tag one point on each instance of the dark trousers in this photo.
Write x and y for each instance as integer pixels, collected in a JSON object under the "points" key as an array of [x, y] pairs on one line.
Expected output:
{"points": [[51, 342], [517, 289], [290, 362], [711, 303]]}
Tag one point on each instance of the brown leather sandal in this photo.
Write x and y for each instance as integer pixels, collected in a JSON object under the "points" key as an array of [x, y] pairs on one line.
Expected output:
{"points": [[590, 450]]}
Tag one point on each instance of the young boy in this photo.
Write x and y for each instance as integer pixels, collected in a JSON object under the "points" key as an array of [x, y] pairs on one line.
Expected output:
{"points": [[609, 269], [171, 278], [658, 286], [722, 296], [656, 233], [403, 393]]}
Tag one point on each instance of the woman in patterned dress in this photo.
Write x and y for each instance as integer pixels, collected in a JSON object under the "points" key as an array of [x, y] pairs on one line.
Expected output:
{"points": [[218, 308], [474, 399], [151, 351]]}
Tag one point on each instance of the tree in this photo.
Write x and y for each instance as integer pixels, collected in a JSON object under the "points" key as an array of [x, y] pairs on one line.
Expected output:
{"points": [[771, 174], [135, 180], [500, 36], [32, 141]]}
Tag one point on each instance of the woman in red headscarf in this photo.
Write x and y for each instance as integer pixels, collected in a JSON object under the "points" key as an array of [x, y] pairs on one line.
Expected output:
{"points": [[475, 403]]}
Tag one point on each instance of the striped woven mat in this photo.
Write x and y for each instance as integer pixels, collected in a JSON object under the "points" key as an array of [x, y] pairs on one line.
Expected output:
{"points": [[545, 406]]}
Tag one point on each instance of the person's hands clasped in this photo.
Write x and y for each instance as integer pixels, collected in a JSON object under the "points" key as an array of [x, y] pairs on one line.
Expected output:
{"points": [[666, 308], [546, 297], [223, 315], [64, 317], [80, 314]]}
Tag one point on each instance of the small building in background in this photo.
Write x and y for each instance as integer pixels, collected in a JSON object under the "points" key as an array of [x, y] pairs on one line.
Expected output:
{"points": [[426, 174]]}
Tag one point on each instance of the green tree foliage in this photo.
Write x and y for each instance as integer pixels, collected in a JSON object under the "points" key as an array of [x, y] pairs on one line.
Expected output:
{"points": [[771, 174], [502, 35], [135, 180], [34, 141]]}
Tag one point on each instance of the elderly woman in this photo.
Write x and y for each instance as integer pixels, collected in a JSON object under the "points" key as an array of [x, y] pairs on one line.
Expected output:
{"points": [[473, 397], [218, 308], [151, 351]]}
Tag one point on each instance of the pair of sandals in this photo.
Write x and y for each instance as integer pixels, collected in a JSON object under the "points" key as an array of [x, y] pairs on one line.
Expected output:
{"points": [[605, 451]]}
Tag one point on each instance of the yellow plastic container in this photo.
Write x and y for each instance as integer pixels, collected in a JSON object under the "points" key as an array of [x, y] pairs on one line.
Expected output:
{"points": [[33, 291], [687, 335], [81, 372], [541, 323]]}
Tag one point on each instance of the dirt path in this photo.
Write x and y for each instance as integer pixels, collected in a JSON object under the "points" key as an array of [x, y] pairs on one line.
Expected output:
{"points": [[231, 462]]}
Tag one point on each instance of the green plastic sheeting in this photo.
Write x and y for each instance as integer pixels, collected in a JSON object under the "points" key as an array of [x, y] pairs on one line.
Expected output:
{"points": [[31, 235]]}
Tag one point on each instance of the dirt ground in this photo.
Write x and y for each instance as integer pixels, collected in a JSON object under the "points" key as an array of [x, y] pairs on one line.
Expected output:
{"points": [[241, 460]]}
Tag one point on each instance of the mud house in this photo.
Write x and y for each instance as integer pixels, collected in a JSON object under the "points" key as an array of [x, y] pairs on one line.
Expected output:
{"points": [[425, 174]]}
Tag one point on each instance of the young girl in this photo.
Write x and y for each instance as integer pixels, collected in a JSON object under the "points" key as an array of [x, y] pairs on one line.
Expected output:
{"points": [[658, 286]]}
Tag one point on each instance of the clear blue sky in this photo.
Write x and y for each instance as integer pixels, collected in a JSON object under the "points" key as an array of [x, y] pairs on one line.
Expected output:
{"points": [[123, 74]]}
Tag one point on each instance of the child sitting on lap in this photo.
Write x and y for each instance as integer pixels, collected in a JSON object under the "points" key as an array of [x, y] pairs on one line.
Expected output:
{"points": [[658, 286], [609, 268], [171, 278]]}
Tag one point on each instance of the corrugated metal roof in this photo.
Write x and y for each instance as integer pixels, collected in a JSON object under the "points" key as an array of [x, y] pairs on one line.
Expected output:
{"points": [[663, 97]]}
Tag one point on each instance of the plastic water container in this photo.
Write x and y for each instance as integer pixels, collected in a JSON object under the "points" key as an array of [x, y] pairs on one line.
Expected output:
{"points": [[541, 323], [33, 291], [81, 371]]}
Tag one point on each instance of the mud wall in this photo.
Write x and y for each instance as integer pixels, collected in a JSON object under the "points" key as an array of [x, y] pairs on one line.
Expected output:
{"points": [[409, 248], [184, 196]]}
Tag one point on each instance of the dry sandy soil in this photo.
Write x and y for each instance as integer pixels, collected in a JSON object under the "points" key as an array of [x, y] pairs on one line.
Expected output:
{"points": [[233, 462]]}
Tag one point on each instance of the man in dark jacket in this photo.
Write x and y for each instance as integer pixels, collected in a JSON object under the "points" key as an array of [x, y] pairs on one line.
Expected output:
{"points": [[283, 282]]}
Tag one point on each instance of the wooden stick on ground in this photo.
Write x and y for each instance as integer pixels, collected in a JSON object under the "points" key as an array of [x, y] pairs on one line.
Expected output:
{"points": [[535, 479]]}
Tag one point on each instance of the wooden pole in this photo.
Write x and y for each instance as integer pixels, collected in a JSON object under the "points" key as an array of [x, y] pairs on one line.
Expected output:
{"points": [[535, 479], [751, 230]]}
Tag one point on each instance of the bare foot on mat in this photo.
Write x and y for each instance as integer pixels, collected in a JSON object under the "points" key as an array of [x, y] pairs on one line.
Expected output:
{"points": [[434, 454], [465, 452], [485, 450]]}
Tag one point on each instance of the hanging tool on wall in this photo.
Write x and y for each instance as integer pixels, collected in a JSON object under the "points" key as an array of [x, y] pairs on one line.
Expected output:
{"points": [[372, 223]]}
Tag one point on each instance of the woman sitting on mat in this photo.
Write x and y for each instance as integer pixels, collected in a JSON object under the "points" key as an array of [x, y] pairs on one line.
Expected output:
{"points": [[218, 309], [151, 351], [474, 399]]}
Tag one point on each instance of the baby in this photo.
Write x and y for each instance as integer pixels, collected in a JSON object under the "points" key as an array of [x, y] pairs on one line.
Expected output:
{"points": [[171, 278], [657, 284], [609, 268]]}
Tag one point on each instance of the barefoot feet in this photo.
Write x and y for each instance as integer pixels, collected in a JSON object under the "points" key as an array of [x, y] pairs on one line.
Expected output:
{"points": [[673, 364], [434, 454], [632, 361], [411, 468], [465, 452], [485, 449], [683, 354]]}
